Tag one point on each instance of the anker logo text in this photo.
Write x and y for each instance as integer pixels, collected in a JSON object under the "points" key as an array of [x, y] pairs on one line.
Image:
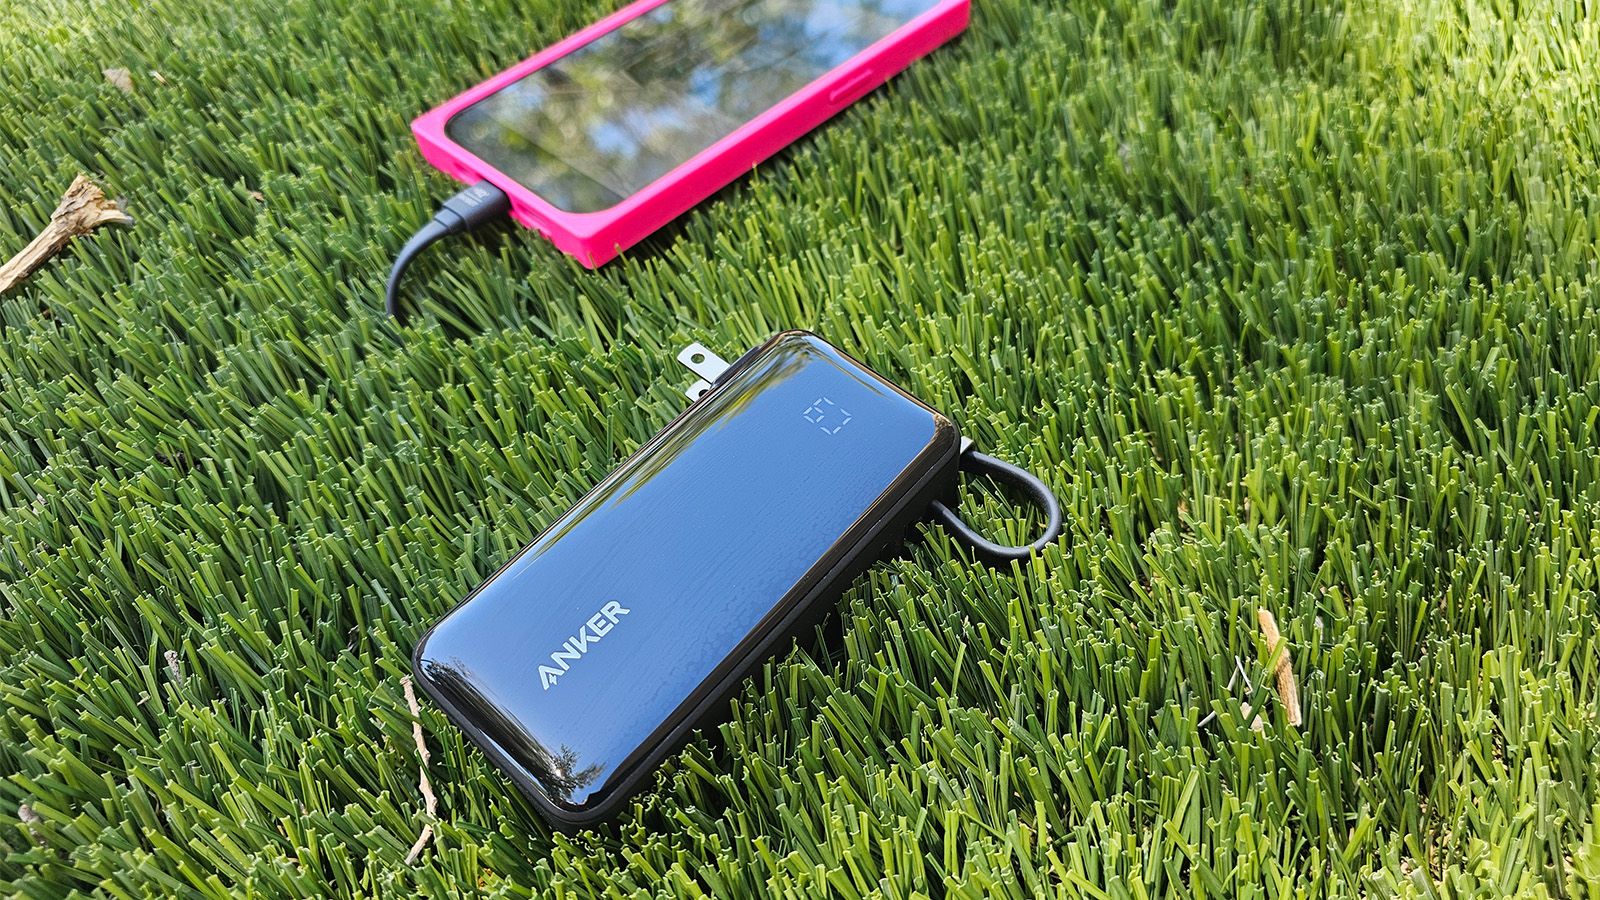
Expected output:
{"points": [[573, 650]]}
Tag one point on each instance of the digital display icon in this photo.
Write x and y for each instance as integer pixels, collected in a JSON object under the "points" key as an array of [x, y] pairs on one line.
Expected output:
{"points": [[827, 415]]}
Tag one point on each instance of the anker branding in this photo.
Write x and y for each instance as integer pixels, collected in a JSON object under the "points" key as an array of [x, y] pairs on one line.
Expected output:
{"points": [[572, 651]]}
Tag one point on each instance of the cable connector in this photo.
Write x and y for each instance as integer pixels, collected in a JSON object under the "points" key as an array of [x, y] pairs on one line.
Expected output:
{"points": [[463, 212]]}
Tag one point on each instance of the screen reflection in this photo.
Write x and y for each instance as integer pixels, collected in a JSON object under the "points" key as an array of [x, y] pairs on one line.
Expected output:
{"points": [[601, 123]]}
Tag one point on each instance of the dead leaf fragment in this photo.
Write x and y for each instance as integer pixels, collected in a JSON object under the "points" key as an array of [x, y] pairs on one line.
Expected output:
{"points": [[119, 78], [1256, 724], [83, 208], [1288, 689]]}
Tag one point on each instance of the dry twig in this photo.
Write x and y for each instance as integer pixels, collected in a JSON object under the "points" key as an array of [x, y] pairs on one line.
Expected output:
{"points": [[430, 802], [83, 208], [1288, 690]]}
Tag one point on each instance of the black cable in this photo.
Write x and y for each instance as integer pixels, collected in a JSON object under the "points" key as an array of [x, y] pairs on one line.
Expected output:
{"points": [[465, 211], [1036, 490]]}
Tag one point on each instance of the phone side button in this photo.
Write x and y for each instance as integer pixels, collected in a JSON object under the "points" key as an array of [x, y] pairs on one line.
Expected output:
{"points": [[851, 89]]}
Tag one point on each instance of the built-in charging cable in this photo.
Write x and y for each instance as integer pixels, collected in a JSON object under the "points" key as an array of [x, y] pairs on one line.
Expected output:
{"points": [[483, 202], [1018, 477]]}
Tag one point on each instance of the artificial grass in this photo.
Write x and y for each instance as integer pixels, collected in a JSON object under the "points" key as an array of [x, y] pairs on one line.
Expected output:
{"points": [[1296, 305]]}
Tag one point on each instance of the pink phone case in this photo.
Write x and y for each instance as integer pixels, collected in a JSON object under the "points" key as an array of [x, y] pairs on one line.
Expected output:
{"points": [[595, 238]]}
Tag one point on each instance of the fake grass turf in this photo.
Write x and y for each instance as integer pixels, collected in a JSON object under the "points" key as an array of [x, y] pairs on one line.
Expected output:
{"points": [[1296, 305]]}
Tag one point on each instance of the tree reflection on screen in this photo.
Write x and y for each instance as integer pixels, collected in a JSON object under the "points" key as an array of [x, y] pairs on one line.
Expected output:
{"points": [[604, 121]]}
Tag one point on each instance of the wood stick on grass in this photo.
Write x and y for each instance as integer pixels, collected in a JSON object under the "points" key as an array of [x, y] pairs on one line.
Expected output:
{"points": [[429, 800], [1288, 690], [83, 208]]}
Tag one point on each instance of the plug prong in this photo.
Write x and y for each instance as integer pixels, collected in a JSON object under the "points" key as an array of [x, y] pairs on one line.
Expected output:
{"points": [[703, 362]]}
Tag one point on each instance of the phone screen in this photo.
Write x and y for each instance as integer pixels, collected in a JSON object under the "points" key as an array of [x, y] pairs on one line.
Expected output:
{"points": [[599, 124]]}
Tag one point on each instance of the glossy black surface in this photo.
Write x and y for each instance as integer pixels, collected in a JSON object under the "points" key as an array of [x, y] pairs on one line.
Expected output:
{"points": [[572, 661], [601, 123]]}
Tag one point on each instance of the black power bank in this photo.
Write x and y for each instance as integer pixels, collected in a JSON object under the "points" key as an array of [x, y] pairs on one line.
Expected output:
{"points": [[585, 660]]}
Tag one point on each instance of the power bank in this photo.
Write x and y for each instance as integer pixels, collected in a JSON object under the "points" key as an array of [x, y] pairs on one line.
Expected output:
{"points": [[586, 659]]}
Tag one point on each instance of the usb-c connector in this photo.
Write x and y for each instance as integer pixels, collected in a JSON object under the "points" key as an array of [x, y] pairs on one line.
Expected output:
{"points": [[463, 212]]}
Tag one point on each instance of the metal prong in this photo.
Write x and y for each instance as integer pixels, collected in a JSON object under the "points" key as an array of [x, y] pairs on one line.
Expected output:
{"points": [[698, 389], [703, 362]]}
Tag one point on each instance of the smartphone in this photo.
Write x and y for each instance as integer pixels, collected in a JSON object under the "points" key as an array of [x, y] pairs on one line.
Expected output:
{"points": [[609, 134]]}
